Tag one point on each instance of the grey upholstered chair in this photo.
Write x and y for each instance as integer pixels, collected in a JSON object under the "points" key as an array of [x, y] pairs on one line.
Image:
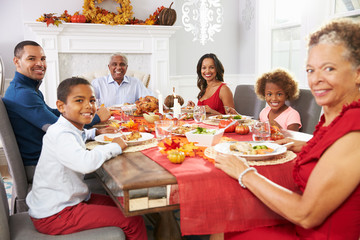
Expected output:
{"points": [[2, 78], [19, 227], [246, 101], [21, 184], [21, 187], [308, 109]]}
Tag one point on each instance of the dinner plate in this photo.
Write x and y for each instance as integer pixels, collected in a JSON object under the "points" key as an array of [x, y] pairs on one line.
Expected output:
{"points": [[144, 137], [225, 117], [106, 123], [278, 150], [191, 127]]}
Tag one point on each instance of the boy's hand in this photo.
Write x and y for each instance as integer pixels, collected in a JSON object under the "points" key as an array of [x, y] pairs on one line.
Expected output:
{"points": [[103, 113], [121, 142], [109, 129]]}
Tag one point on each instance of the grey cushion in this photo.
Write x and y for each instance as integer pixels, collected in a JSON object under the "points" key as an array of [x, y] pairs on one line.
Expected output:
{"points": [[21, 227], [247, 102], [308, 109], [14, 160]]}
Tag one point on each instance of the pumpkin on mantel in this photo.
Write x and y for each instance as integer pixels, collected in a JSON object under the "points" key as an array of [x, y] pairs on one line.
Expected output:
{"points": [[167, 16]]}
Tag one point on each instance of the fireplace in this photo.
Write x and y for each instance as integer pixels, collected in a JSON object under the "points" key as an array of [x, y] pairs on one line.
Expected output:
{"points": [[72, 49]]}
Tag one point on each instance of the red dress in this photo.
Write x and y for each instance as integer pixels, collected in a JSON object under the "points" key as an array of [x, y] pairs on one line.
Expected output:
{"points": [[342, 224], [214, 102]]}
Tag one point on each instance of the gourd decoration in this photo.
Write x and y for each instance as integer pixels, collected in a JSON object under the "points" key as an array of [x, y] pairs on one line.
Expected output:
{"points": [[167, 16], [78, 18], [169, 101]]}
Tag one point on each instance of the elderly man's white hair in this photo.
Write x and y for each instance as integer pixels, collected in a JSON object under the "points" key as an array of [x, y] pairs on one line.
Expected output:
{"points": [[118, 54]]}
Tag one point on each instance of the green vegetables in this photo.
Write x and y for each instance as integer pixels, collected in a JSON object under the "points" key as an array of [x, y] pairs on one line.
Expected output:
{"points": [[260, 147], [237, 117], [200, 130]]}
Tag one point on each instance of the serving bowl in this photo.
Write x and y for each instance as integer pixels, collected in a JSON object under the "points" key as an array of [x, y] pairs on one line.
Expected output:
{"points": [[151, 117], [205, 140]]}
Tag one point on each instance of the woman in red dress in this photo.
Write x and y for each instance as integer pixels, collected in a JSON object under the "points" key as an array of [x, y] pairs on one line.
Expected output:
{"points": [[214, 94], [327, 170]]}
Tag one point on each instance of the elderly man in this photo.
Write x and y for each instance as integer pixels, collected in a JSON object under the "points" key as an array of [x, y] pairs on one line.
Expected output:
{"points": [[117, 88], [30, 116]]}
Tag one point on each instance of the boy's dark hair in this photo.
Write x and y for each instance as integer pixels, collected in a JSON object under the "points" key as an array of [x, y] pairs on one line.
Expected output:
{"points": [[65, 86], [20, 47]]}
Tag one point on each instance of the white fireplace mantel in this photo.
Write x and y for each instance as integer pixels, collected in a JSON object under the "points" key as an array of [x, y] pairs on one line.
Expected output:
{"points": [[71, 38]]}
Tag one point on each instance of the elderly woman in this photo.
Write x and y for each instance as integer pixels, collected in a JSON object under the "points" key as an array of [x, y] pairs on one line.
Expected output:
{"points": [[327, 170], [214, 94]]}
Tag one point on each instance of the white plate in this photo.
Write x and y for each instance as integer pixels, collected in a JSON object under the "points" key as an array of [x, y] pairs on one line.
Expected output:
{"points": [[278, 149], [144, 137], [225, 117], [185, 125]]}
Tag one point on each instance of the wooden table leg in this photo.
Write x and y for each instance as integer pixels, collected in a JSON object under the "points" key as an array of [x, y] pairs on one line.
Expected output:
{"points": [[167, 227]]}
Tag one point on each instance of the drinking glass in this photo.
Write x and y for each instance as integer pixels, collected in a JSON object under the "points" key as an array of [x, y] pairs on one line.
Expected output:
{"points": [[261, 131], [163, 129], [199, 113]]}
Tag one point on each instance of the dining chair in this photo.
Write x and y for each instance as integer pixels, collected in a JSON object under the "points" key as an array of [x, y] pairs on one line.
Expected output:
{"points": [[308, 109], [19, 226], [21, 187], [246, 101], [2, 77]]}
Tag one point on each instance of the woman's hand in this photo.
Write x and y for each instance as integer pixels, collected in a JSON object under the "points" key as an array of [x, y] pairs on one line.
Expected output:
{"points": [[296, 145], [103, 113], [190, 104], [230, 111], [231, 164]]}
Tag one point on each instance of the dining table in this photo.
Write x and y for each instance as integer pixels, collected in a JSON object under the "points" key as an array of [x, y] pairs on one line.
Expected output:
{"points": [[145, 182]]}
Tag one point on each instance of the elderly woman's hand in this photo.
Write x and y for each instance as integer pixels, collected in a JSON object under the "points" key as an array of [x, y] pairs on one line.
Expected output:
{"points": [[231, 164], [294, 145]]}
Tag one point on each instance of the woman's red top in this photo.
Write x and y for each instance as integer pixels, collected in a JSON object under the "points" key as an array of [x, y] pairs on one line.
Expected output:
{"points": [[214, 102]]}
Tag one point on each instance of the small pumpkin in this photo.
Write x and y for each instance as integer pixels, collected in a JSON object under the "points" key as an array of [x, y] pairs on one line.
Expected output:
{"points": [[78, 18], [167, 16], [169, 101]]}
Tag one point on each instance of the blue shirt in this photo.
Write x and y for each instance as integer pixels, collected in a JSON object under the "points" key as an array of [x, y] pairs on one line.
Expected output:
{"points": [[110, 93], [29, 116]]}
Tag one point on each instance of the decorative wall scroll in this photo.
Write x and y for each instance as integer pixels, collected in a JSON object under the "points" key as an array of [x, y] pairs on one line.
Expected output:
{"points": [[203, 18], [248, 14]]}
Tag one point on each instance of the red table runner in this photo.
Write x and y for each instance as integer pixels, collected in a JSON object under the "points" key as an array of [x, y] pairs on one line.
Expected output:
{"points": [[213, 202]]}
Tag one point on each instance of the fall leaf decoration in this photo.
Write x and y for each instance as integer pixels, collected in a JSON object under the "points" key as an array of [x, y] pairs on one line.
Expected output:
{"points": [[154, 18], [180, 144], [49, 18], [95, 14]]}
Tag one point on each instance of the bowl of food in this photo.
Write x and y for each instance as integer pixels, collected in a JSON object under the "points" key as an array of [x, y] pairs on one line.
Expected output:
{"points": [[151, 117], [204, 137]]}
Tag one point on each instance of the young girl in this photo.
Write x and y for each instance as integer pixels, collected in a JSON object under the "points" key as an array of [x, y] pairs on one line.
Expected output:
{"points": [[60, 202], [275, 88]]}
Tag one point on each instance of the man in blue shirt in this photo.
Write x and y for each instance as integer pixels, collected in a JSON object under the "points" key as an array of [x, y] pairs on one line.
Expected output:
{"points": [[117, 88], [29, 115]]}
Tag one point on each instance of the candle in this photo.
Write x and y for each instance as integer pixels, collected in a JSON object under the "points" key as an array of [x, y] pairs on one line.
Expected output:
{"points": [[177, 110], [161, 102]]}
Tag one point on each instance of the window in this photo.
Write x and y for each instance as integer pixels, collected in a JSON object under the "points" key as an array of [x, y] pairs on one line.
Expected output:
{"points": [[346, 8], [286, 37]]}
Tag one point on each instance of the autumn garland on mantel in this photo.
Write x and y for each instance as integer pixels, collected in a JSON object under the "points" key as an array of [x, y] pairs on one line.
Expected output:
{"points": [[95, 14], [99, 15]]}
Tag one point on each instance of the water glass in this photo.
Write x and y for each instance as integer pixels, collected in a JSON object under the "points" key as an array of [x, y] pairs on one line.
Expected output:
{"points": [[261, 131], [199, 113], [163, 129]]}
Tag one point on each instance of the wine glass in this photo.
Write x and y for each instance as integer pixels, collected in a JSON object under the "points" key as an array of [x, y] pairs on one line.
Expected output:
{"points": [[261, 131], [199, 113]]}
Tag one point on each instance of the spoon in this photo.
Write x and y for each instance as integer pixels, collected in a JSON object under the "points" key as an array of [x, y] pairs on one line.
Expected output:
{"points": [[232, 123]]}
